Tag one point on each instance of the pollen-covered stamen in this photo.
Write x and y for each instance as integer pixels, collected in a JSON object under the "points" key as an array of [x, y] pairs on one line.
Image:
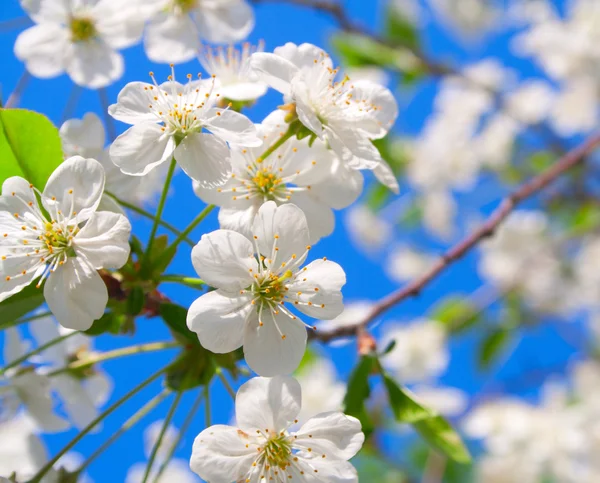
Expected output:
{"points": [[82, 29], [277, 451], [182, 7]]}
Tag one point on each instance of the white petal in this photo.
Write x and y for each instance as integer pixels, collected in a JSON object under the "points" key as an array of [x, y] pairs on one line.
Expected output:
{"points": [[332, 434], [380, 119], [232, 127], [317, 470], [93, 64], [341, 189], [120, 24], [171, 38], [84, 136], [225, 259], [353, 147], [220, 455], [104, 240], [273, 70], [268, 403], [304, 55], [205, 159], [320, 218], [288, 224], [132, 104], [276, 347], [76, 295], [141, 148], [218, 318], [77, 186], [44, 330], [99, 387], [42, 48], [306, 113], [386, 176], [21, 187], [13, 267], [239, 220], [243, 91], [41, 11], [225, 24]]}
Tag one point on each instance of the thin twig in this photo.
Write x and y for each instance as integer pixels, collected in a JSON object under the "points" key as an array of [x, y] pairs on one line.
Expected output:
{"points": [[456, 252], [111, 130], [15, 97]]}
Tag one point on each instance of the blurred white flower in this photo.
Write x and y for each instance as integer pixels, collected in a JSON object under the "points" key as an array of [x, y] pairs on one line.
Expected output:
{"points": [[576, 107], [81, 38], [530, 103], [81, 395], [448, 401], [367, 230], [467, 16], [420, 353], [439, 211], [405, 263], [86, 137], [21, 450], [322, 391], [495, 143], [176, 26]]}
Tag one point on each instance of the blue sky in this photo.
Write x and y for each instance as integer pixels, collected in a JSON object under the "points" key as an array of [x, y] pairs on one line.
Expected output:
{"points": [[276, 24]]}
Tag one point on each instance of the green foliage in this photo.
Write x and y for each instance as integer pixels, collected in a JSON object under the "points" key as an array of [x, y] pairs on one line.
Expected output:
{"points": [[494, 343], [359, 391], [135, 300], [194, 367], [403, 404], [110, 322], [175, 317], [20, 304], [456, 313], [161, 256], [30, 146], [399, 29]]}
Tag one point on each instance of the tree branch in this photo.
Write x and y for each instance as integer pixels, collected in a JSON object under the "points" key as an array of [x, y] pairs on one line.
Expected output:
{"points": [[456, 252]]}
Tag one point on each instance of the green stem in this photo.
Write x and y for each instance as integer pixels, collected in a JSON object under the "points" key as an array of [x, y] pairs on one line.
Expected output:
{"points": [[184, 427], [25, 320], [150, 216], [226, 383], [183, 235], [125, 351], [280, 142], [160, 209], [161, 435], [190, 281], [41, 348], [207, 417], [41, 473], [132, 421]]}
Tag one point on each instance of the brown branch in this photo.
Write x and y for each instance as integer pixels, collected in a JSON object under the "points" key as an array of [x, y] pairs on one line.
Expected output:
{"points": [[456, 252]]}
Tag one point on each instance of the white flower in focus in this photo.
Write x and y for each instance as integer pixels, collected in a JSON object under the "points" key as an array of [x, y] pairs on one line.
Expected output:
{"points": [[23, 387], [79, 37], [406, 263], [234, 80], [367, 230], [309, 177], [66, 249], [81, 396], [322, 391], [177, 470], [168, 121], [251, 306], [262, 448], [21, 450], [420, 353], [86, 137], [346, 115], [176, 26]]}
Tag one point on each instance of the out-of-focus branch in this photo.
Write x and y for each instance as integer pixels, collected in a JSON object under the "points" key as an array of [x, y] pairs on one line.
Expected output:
{"points": [[456, 252]]}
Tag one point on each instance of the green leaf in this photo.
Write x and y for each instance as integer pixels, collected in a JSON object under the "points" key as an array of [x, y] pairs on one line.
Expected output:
{"points": [[20, 304], [175, 317], [586, 218], [30, 146], [492, 346], [405, 408], [399, 29], [109, 322], [438, 433], [194, 367], [456, 313], [358, 392], [136, 300], [161, 255]]}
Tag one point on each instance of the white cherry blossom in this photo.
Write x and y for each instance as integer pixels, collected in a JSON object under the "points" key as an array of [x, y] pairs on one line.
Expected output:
{"points": [[80, 38], [262, 448], [67, 246], [234, 80], [83, 394], [176, 26], [309, 177], [21, 450], [347, 115], [251, 306], [86, 137], [322, 391], [168, 121]]}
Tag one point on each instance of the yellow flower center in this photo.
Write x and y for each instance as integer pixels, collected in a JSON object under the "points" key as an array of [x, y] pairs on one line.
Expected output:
{"points": [[278, 451], [185, 6], [82, 29]]}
